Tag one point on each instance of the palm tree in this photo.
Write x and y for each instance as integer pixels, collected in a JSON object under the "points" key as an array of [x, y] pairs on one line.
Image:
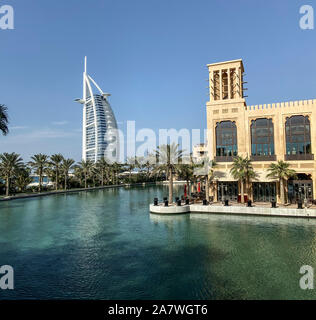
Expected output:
{"points": [[169, 158], [242, 170], [102, 168], [149, 164], [39, 163], [55, 162], [281, 171], [208, 166], [4, 119], [131, 165], [86, 167], [94, 175], [78, 173], [116, 168], [23, 178], [50, 172], [145, 164], [10, 163], [186, 171], [66, 166]]}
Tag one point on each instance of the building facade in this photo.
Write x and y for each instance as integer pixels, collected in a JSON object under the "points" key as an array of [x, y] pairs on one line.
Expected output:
{"points": [[100, 137], [265, 133], [199, 152]]}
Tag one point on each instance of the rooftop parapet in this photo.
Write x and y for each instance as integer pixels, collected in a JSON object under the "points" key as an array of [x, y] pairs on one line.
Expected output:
{"points": [[287, 104]]}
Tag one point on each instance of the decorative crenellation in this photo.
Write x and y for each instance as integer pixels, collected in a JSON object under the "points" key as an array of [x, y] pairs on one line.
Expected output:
{"points": [[282, 105]]}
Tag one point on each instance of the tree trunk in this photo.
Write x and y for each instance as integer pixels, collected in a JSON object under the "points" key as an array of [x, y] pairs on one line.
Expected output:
{"points": [[56, 180], [281, 191], [188, 188], [170, 186], [207, 191], [242, 192], [7, 189], [65, 182], [248, 189], [85, 181], [40, 182], [102, 179]]}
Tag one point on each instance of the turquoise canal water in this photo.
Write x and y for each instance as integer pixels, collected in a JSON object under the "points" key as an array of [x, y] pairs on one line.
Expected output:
{"points": [[105, 245]]}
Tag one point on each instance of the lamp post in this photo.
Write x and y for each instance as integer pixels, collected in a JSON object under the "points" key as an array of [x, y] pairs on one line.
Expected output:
{"points": [[299, 205], [310, 194], [300, 193], [307, 190], [226, 200]]}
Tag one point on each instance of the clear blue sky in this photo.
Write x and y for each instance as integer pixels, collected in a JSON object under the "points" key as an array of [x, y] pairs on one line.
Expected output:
{"points": [[150, 55]]}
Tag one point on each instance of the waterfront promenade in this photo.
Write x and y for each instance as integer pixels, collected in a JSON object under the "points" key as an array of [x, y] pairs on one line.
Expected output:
{"points": [[260, 209], [49, 193]]}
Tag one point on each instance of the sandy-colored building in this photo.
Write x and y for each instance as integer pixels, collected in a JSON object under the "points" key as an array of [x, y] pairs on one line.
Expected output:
{"points": [[266, 133], [199, 152]]}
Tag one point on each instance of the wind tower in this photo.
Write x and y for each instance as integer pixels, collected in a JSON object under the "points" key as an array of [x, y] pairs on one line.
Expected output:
{"points": [[226, 107]]}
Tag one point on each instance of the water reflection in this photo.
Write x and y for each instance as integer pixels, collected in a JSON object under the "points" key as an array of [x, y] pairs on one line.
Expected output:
{"points": [[254, 220], [169, 219], [107, 246]]}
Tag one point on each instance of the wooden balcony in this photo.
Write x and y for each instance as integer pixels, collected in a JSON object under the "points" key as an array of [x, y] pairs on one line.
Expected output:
{"points": [[295, 157], [224, 158], [263, 158]]}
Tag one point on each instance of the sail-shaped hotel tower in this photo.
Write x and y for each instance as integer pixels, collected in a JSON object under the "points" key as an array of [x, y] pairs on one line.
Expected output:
{"points": [[99, 128]]}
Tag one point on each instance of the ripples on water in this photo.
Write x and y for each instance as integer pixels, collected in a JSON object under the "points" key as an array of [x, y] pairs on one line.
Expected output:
{"points": [[106, 245]]}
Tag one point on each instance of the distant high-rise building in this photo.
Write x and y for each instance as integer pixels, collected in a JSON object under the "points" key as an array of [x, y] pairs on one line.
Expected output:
{"points": [[99, 128]]}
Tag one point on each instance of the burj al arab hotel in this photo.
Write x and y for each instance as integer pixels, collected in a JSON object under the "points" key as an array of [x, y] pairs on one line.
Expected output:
{"points": [[100, 138]]}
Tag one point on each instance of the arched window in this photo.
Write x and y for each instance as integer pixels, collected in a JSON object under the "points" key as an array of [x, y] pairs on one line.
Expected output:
{"points": [[226, 140], [262, 139], [298, 137]]}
